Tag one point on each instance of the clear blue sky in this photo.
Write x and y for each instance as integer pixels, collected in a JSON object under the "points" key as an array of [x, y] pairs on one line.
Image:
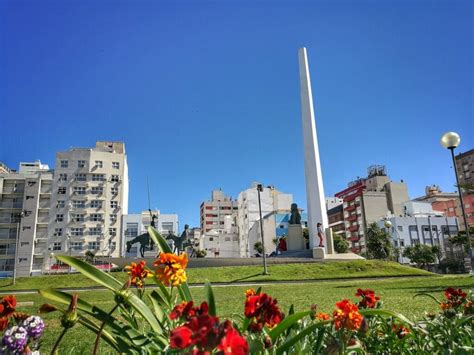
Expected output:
{"points": [[206, 94]]}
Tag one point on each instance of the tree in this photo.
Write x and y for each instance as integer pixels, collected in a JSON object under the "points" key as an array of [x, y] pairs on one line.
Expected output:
{"points": [[378, 245], [340, 244], [258, 246], [421, 254]]}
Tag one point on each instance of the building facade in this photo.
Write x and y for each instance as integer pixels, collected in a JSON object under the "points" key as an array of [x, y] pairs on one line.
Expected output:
{"points": [[89, 197], [465, 169], [134, 225], [214, 212], [336, 220], [367, 200], [25, 199]]}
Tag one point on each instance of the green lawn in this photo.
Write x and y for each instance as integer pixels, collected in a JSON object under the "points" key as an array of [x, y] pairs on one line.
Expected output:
{"points": [[397, 294], [306, 271]]}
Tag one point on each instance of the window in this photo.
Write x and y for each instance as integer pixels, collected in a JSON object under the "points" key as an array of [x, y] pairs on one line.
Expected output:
{"points": [[62, 177], [77, 232], [60, 204], [115, 165], [58, 232], [113, 204], [96, 217], [64, 164], [81, 163], [95, 231], [96, 204], [131, 230], [80, 177], [467, 205], [98, 177], [57, 246], [93, 246], [400, 228], [114, 190], [114, 178], [79, 190], [167, 226], [465, 167], [113, 246], [61, 190], [78, 204], [76, 246], [99, 164], [78, 218], [112, 232], [113, 218], [97, 190], [27, 197], [59, 218]]}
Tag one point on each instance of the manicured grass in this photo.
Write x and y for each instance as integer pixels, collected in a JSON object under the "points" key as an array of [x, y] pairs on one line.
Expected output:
{"points": [[397, 294], [306, 271]]}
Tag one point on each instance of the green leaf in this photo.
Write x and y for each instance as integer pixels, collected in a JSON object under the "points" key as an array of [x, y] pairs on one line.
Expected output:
{"points": [[286, 323], [159, 240], [384, 313], [92, 272], [157, 302], [104, 334], [428, 295], [210, 299], [140, 307], [289, 343]]}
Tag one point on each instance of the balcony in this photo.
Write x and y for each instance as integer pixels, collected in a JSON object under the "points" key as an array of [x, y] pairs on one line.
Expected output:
{"points": [[353, 239], [355, 250], [351, 208], [353, 228], [352, 218]]}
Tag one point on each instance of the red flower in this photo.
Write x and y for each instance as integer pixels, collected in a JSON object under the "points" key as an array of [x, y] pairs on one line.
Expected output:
{"points": [[322, 316], [369, 300], [138, 273], [400, 331], [233, 343], [7, 308], [454, 298], [347, 316], [184, 310], [180, 338], [263, 311]]}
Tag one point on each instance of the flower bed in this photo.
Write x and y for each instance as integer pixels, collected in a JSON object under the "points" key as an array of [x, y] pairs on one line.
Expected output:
{"points": [[167, 320]]}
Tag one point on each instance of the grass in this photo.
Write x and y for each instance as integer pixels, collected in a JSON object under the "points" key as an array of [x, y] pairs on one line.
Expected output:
{"points": [[397, 294], [306, 271]]}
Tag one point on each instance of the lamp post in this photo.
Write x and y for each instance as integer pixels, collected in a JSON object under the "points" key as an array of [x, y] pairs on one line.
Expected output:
{"points": [[450, 140], [260, 189], [388, 225]]}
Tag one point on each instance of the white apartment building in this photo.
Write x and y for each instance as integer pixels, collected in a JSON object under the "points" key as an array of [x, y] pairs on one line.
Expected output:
{"points": [[24, 216], [134, 225], [89, 197], [214, 212], [272, 202], [223, 242]]}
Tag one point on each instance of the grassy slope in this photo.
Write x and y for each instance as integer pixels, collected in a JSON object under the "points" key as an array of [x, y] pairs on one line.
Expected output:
{"points": [[397, 294], [314, 271]]}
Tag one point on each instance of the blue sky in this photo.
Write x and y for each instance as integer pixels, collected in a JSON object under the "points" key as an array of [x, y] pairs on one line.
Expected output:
{"points": [[206, 94]]}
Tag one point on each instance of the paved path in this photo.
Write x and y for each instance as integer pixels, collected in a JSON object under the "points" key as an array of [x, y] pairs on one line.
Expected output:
{"points": [[223, 284]]}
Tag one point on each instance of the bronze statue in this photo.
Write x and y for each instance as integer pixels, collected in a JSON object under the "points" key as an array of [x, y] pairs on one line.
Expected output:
{"points": [[295, 214], [144, 239], [179, 242]]}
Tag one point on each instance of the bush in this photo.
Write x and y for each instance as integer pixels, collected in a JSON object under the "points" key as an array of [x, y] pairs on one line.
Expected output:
{"points": [[421, 254], [340, 244], [170, 323], [378, 243]]}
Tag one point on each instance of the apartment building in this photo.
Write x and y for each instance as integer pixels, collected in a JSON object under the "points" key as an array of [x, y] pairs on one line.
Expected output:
{"points": [[465, 169], [24, 216], [367, 200], [89, 197], [336, 220], [134, 225], [214, 212]]}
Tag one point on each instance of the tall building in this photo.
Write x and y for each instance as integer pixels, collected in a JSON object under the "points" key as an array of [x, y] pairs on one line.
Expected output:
{"points": [[336, 220], [4, 169], [135, 224], [24, 215], [89, 197], [465, 169], [214, 212], [272, 202], [367, 200]]}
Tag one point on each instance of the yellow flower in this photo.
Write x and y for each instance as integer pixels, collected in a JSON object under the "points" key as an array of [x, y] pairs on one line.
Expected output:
{"points": [[138, 273], [170, 268]]}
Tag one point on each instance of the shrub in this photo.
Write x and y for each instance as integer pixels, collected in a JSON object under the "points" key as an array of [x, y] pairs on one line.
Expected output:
{"points": [[340, 244]]}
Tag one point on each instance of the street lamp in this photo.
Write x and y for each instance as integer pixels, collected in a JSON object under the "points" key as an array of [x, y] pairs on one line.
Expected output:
{"points": [[260, 189], [450, 140], [389, 225]]}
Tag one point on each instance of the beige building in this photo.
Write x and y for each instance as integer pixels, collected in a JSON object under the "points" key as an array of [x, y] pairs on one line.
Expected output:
{"points": [[214, 212], [90, 195], [24, 215]]}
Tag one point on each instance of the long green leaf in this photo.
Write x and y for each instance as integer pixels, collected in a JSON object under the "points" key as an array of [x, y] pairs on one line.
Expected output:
{"points": [[104, 334], [157, 302], [384, 313], [92, 272], [211, 301], [140, 307], [159, 240], [285, 346], [428, 295], [286, 323]]}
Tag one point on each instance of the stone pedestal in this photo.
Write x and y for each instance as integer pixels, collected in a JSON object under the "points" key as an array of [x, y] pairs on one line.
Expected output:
{"points": [[295, 240], [319, 253], [329, 241]]}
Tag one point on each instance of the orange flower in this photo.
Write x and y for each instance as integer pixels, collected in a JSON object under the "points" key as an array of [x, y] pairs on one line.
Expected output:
{"points": [[347, 315], [170, 268], [250, 292], [322, 316], [138, 273], [400, 330]]}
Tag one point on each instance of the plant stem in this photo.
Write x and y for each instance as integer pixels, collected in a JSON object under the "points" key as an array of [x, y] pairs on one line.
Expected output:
{"points": [[97, 339], [58, 341]]}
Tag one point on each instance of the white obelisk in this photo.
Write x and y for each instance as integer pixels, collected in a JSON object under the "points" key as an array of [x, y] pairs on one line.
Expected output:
{"points": [[312, 164]]}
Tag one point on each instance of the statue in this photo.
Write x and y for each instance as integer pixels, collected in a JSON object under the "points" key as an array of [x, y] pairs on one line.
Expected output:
{"points": [[295, 214], [144, 239], [181, 241]]}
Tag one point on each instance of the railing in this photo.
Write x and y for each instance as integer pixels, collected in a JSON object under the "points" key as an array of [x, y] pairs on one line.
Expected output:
{"points": [[10, 205], [353, 228], [351, 208], [9, 220]]}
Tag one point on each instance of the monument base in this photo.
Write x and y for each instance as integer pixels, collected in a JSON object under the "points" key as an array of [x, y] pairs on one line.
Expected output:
{"points": [[295, 240], [319, 253]]}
